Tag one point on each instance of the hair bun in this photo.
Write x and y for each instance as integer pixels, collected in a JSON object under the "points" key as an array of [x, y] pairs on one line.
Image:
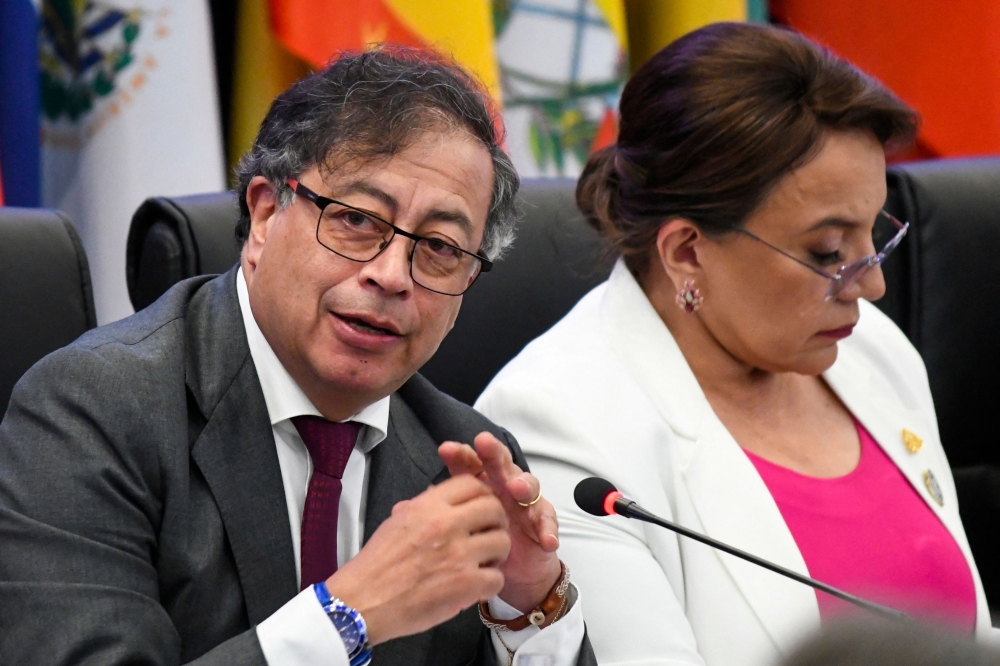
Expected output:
{"points": [[598, 192]]}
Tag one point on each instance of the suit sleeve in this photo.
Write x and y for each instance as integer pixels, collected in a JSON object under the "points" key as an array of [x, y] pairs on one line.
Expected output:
{"points": [[80, 506]]}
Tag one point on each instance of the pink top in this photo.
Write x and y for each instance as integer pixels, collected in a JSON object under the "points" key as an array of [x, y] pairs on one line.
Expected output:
{"points": [[869, 533]]}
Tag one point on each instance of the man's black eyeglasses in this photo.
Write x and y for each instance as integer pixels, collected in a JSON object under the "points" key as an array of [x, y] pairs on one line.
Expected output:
{"points": [[360, 235]]}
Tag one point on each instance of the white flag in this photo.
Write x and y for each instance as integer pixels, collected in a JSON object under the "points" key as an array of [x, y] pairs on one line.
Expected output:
{"points": [[130, 110]]}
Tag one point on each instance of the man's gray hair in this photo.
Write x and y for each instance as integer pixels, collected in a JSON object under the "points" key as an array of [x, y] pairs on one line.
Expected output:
{"points": [[371, 106]]}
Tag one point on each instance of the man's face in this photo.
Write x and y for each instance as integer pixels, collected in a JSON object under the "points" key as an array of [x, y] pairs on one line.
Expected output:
{"points": [[349, 332]]}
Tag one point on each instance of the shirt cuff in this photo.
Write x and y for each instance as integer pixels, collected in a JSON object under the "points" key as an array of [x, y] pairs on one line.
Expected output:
{"points": [[556, 645], [300, 632]]}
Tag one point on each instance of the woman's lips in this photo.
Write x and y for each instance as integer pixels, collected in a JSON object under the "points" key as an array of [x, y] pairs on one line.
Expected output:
{"points": [[838, 333]]}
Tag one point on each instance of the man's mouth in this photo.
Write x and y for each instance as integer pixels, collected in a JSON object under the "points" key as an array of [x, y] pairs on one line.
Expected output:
{"points": [[366, 326]]}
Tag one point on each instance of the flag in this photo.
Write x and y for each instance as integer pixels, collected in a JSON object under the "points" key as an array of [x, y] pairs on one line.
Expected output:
{"points": [[262, 70], [652, 24], [942, 58], [129, 111], [278, 41], [562, 68], [19, 150]]}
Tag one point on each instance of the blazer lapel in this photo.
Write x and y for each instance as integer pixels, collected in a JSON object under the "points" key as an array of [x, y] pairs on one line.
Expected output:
{"points": [[235, 449], [735, 507], [729, 497], [879, 407]]}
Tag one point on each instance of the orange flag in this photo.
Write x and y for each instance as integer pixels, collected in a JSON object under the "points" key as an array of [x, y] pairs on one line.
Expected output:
{"points": [[942, 58]]}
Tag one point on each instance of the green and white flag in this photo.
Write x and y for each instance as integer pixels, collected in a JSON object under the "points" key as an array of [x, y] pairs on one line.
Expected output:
{"points": [[129, 111], [562, 67]]}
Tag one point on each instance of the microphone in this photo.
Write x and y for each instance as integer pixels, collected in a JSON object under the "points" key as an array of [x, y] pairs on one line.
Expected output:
{"points": [[599, 497]]}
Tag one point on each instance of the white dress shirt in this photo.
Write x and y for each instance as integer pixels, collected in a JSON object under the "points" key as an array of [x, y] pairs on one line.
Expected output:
{"points": [[300, 631]]}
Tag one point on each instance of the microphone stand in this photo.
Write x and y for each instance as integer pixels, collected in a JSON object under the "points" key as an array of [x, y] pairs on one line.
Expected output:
{"points": [[630, 509]]}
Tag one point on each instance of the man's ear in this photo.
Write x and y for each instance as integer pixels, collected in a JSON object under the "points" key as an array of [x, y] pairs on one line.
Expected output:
{"points": [[677, 245], [262, 202]]}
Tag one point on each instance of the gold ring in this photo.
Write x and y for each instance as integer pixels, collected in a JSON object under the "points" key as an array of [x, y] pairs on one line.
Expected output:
{"points": [[532, 502]]}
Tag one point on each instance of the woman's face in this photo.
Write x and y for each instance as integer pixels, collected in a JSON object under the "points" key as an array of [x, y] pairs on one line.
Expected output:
{"points": [[769, 311]]}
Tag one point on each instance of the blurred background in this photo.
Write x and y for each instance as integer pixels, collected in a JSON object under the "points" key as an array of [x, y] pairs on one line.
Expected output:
{"points": [[103, 104]]}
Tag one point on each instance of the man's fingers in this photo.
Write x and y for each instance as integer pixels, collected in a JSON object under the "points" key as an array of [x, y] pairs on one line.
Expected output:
{"points": [[490, 548], [460, 489], [524, 488], [547, 527], [460, 459], [496, 458], [482, 513]]}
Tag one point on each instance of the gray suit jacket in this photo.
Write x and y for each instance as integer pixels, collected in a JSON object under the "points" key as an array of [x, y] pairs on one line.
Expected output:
{"points": [[142, 513]]}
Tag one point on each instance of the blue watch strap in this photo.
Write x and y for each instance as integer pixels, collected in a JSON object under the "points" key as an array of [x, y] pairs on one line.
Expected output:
{"points": [[349, 624]]}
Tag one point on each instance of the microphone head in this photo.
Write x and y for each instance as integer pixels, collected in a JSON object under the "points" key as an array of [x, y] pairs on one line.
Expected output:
{"points": [[592, 496]]}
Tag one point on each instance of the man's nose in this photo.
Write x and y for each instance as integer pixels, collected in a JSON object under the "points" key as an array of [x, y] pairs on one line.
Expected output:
{"points": [[390, 270]]}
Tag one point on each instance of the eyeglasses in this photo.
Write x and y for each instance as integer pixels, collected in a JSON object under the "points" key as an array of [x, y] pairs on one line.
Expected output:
{"points": [[848, 273], [359, 235]]}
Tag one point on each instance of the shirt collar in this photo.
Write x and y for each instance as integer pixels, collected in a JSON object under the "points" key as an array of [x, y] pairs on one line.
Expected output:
{"points": [[283, 396]]}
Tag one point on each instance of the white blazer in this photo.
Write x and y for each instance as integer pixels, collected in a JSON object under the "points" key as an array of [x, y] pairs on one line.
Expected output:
{"points": [[606, 392]]}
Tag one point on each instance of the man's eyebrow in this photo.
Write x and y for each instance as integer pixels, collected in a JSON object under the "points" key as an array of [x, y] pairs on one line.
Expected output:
{"points": [[363, 187], [435, 215], [455, 216]]}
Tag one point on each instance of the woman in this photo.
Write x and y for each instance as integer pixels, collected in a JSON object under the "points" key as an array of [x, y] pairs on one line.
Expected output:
{"points": [[731, 374]]}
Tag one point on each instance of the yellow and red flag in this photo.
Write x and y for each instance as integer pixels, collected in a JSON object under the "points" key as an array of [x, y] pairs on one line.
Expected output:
{"points": [[279, 40]]}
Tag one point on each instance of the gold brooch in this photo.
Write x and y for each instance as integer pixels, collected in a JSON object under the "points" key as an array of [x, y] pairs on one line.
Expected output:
{"points": [[912, 442], [933, 488]]}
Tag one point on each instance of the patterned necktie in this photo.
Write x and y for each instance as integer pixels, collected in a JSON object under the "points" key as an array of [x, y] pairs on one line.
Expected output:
{"points": [[330, 445]]}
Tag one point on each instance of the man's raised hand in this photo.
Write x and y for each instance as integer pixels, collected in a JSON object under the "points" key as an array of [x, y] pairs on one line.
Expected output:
{"points": [[532, 567]]}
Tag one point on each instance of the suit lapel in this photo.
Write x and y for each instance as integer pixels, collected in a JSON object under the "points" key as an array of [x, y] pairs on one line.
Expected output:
{"points": [[235, 449], [401, 467], [404, 465]]}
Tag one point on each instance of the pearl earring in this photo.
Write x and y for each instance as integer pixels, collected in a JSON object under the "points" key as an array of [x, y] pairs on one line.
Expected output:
{"points": [[689, 298]]}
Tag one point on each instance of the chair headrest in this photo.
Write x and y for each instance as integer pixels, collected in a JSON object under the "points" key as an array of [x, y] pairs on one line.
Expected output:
{"points": [[171, 239], [45, 291]]}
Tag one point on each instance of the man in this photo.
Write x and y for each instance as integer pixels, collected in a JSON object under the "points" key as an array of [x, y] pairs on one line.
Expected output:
{"points": [[248, 471]]}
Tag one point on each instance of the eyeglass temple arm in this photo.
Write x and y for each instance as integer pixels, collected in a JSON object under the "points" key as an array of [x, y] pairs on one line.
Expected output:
{"points": [[782, 252]]}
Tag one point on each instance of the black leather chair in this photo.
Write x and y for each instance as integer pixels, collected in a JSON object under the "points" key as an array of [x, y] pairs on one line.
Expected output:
{"points": [[173, 239], [46, 299], [951, 312]]}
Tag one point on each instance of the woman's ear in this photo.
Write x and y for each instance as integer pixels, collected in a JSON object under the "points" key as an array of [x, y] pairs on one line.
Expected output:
{"points": [[677, 245]]}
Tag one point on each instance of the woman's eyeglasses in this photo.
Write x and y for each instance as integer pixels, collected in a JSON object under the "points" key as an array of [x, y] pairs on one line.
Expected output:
{"points": [[361, 236], [850, 273]]}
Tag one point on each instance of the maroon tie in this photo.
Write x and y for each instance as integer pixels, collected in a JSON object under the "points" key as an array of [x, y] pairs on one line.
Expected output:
{"points": [[330, 445]]}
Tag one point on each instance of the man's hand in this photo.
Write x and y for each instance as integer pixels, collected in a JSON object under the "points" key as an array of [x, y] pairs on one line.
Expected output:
{"points": [[532, 567], [437, 554]]}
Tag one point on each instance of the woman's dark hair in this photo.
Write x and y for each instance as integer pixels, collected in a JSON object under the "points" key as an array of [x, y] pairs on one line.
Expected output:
{"points": [[710, 124], [371, 106]]}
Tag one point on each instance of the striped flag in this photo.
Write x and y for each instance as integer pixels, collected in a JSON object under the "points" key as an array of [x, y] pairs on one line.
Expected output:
{"points": [[280, 40], [19, 99]]}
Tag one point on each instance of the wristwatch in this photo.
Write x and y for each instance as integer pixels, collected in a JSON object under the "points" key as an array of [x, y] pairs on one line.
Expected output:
{"points": [[349, 624]]}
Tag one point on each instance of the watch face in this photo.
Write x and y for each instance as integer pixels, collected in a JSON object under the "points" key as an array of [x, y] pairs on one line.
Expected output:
{"points": [[348, 630]]}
